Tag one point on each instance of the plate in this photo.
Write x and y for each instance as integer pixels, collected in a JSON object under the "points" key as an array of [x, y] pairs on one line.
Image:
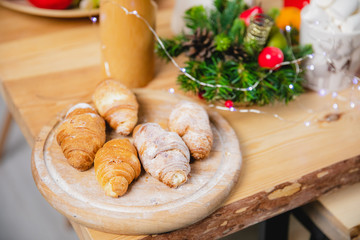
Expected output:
{"points": [[149, 206], [25, 7]]}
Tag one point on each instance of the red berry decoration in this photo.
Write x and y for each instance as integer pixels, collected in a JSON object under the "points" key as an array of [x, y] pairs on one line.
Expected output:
{"points": [[200, 95], [247, 14], [51, 4], [269, 57], [229, 103]]}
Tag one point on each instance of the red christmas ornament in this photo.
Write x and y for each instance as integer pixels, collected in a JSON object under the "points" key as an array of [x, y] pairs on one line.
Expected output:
{"points": [[229, 103], [51, 4], [269, 57], [296, 3], [246, 15]]}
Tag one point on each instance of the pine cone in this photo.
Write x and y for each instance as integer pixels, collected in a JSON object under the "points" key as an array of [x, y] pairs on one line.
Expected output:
{"points": [[200, 45], [236, 52]]}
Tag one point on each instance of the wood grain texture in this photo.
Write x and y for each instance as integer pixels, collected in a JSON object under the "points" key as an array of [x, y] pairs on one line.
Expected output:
{"points": [[149, 206], [343, 204], [337, 213], [276, 153], [238, 215], [326, 222], [261, 206]]}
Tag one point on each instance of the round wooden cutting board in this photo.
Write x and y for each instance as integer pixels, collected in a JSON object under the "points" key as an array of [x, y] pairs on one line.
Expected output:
{"points": [[149, 206]]}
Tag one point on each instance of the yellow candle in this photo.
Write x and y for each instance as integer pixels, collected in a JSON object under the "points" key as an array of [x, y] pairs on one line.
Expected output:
{"points": [[127, 44]]}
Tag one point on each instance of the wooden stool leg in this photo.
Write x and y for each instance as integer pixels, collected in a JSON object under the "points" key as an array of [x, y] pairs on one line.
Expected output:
{"points": [[5, 131]]}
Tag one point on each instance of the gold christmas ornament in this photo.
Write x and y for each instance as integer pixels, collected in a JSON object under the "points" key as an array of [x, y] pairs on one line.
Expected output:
{"points": [[259, 29]]}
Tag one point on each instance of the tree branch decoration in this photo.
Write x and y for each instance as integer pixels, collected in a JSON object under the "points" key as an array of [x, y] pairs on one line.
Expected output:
{"points": [[224, 66]]}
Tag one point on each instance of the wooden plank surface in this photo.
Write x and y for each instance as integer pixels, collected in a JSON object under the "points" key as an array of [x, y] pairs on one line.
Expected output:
{"points": [[48, 64], [337, 214], [344, 204]]}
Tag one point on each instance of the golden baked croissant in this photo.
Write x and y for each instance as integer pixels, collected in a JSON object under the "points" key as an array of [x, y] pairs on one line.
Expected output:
{"points": [[191, 122], [163, 154], [80, 135], [116, 166], [117, 104]]}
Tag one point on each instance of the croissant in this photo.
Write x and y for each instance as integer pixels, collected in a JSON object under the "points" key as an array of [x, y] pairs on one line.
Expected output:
{"points": [[116, 166], [117, 104], [191, 122], [80, 135], [163, 154]]}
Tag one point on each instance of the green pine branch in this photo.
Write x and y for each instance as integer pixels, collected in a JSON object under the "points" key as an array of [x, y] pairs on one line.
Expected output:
{"points": [[173, 46], [281, 85], [224, 15], [196, 17]]}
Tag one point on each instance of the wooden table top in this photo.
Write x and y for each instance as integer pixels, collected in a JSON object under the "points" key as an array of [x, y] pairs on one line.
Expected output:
{"points": [[47, 64]]}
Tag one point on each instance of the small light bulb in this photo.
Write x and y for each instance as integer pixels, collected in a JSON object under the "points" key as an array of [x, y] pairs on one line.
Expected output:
{"points": [[307, 123], [232, 109], [311, 56], [311, 67], [352, 104], [355, 80], [335, 106], [93, 19], [171, 90], [334, 94], [291, 86], [183, 70], [322, 92], [250, 88], [288, 28]]}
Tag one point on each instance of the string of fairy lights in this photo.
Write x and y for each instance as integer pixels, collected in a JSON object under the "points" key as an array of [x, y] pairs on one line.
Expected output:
{"points": [[352, 102]]}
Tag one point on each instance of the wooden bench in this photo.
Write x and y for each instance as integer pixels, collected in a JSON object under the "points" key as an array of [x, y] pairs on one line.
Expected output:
{"points": [[337, 214]]}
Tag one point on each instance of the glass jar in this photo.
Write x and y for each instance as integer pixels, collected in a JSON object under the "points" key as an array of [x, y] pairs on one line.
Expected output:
{"points": [[127, 44]]}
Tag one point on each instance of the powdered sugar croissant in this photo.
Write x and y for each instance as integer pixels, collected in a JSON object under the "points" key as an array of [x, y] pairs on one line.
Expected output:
{"points": [[81, 135], [117, 104], [116, 166], [163, 154], [191, 122]]}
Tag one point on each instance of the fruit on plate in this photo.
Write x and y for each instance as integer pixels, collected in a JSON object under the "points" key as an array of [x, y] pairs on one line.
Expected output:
{"points": [[51, 4]]}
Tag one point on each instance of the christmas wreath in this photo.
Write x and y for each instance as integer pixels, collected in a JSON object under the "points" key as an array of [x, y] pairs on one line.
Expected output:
{"points": [[224, 65]]}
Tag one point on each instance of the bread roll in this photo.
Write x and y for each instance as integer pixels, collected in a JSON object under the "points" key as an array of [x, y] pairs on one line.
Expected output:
{"points": [[81, 135], [117, 104], [163, 154], [191, 122], [116, 166]]}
